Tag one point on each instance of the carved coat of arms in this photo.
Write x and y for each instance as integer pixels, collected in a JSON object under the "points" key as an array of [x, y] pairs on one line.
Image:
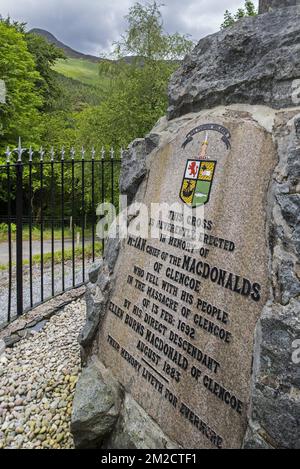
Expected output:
{"points": [[199, 173]]}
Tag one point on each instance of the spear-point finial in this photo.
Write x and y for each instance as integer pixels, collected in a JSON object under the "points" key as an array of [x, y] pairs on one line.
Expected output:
{"points": [[30, 153], [8, 154], [112, 153], [52, 154], [102, 153], [82, 153], [93, 153], [20, 150], [72, 151], [42, 153], [62, 153]]}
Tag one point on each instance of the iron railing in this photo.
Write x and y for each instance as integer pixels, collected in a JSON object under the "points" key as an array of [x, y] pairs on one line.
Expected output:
{"points": [[48, 204]]}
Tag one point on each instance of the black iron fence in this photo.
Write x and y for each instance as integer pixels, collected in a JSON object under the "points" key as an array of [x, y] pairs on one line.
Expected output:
{"points": [[48, 222]]}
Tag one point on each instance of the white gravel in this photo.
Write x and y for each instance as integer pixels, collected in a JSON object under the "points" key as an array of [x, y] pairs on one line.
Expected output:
{"points": [[37, 382]]}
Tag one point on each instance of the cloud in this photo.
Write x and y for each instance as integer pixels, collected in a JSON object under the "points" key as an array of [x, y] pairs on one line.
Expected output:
{"points": [[91, 26]]}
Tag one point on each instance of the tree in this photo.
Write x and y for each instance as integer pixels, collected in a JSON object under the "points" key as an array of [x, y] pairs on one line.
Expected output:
{"points": [[19, 115], [248, 10], [146, 39], [145, 58], [45, 55]]}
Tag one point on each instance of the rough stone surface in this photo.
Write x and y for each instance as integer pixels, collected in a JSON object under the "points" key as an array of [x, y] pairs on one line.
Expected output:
{"points": [[94, 303], [111, 253], [254, 440], [266, 6], [95, 409], [275, 411], [96, 299], [94, 271], [256, 61], [134, 168], [135, 430]]}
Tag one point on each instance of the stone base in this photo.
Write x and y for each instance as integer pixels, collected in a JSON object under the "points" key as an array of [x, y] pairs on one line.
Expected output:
{"points": [[104, 416]]}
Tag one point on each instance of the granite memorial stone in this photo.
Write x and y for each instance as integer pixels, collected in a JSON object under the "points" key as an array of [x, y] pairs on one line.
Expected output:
{"points": [[193, 316], [179, 329]]}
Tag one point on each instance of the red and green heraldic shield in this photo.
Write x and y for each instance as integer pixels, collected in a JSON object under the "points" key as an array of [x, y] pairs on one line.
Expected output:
{"points": [[197, 182]]}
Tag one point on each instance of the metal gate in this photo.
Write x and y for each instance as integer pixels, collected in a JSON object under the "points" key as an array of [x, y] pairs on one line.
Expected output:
{"points": [[48, 222]]}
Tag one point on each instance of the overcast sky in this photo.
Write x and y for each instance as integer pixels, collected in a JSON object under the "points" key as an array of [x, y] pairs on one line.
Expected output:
{"points": [[91, 26]]}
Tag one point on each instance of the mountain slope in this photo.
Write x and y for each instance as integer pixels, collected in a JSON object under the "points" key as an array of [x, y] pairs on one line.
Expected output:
{"points": [[81, 70], [71, 53]]}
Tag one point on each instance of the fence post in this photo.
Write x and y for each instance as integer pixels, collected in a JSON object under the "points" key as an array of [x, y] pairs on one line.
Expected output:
{"points": [[19, 228]]}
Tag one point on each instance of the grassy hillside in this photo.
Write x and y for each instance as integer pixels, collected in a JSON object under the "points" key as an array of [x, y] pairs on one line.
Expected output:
{"points": [[79, 69], [74, 95]]}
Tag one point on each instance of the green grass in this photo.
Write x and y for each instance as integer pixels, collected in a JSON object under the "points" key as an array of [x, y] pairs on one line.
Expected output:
{"points": [[68, 255], [81, 70], [47, 234]]}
